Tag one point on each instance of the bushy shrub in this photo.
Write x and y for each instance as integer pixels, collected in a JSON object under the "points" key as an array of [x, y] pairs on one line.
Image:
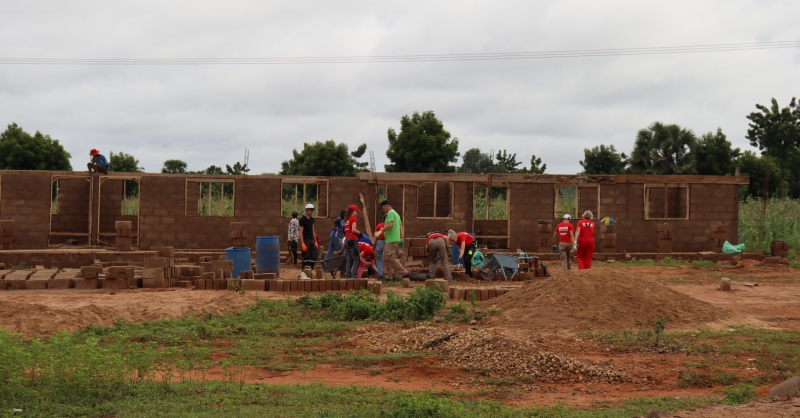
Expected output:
{"points": [[421, 305]]}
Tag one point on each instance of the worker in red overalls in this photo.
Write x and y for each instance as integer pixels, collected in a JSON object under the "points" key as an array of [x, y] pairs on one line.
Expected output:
{"points": [[585, 233]]}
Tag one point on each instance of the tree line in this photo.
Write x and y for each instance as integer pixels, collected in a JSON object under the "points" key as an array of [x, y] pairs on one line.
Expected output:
{"points": [[422, 145]]}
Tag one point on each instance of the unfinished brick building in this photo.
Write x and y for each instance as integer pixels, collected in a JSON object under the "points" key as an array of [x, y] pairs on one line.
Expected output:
{"points": [[653, 213]]}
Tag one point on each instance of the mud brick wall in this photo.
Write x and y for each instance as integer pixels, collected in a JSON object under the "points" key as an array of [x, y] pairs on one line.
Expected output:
{"points": [[529, 202], [25, 199]]}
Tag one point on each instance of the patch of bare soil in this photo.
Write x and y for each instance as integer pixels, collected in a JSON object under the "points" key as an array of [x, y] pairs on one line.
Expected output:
{"points": [[596, 300], [41, 313], [762, 408]]}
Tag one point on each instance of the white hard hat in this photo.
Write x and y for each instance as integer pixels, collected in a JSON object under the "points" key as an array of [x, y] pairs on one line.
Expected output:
{"points": [[309, 206], [566, 215]]}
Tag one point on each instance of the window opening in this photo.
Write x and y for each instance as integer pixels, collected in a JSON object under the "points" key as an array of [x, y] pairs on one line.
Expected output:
{"points": [[666, 201], [494, 206], [566, 202], [435, 200], [130, 197], [54, 198], [295, 197], [214, 198]]}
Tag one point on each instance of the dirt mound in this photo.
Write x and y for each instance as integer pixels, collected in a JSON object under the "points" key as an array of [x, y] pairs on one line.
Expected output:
{"points": [[39, 315], [596, 300], [476, 349]]}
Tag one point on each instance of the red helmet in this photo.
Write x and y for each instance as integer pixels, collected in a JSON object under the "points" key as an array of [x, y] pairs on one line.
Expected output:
{"points": [[94, 152]]}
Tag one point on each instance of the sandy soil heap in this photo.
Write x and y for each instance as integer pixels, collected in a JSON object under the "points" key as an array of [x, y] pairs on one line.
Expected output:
{"points": [[462, 346], [596, 300]]}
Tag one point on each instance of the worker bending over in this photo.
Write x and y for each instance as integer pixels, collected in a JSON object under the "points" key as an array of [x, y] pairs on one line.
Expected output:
{"points": [[437, 245], [466, 248]]}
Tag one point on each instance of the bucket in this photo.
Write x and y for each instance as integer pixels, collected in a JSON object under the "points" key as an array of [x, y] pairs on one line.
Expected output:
{"points": [[268, 255], [608, 220], [240, 257]]}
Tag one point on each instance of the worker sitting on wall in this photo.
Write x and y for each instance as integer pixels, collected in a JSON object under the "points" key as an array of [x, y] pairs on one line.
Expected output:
{"points": [[99, 164]]}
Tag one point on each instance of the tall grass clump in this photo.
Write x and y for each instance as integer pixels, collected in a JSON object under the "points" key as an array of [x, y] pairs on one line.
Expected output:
{"points": [[781, 222], [420, 305]]}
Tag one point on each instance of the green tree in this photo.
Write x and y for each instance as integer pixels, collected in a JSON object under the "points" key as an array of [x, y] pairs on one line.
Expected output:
{"points": [[603, 160], [174, 167], [237, 169], [663, 149], [776, 132], [422, 146], [754, 166], [506, 163], [475, 162], [536, 166], [20, 150], [325, 159], [123, 163], [715, 155]]}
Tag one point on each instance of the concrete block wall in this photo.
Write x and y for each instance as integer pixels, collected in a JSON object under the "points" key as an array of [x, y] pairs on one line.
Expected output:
{"points": [[25, 198]]}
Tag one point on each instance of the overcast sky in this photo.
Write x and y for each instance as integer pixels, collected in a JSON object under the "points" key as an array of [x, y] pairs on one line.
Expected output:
{"points": [[553, 108]]}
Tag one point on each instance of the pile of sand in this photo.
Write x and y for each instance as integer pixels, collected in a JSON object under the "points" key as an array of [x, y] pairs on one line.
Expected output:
{"points": [[500, 356], [39, 315], [596, 300]]}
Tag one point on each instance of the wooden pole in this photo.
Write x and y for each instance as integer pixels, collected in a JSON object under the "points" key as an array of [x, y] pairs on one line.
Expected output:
{"points": [[366, 218]]}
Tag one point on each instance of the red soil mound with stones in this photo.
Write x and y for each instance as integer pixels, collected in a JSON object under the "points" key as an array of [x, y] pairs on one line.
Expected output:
{"points": [[596, 300]]}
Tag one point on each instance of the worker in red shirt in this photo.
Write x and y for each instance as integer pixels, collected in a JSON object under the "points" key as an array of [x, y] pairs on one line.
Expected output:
{"points": [[565, 233], [366, 254], [351, 233], [380, 243], [466, 248], [585, 233], [437, 245]]}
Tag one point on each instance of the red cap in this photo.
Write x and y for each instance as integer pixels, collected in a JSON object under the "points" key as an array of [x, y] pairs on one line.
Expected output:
{"points": [[355, 208], [94, 152]]}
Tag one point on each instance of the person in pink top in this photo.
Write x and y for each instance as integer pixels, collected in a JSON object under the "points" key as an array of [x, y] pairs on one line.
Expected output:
{"points": [[351, 241], [585, 233]]}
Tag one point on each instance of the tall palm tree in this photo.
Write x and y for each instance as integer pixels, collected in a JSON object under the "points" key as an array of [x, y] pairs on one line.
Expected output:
{"points": [[664, 149]]}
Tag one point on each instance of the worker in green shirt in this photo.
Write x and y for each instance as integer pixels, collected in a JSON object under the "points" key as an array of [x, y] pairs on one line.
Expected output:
{"points": [[393, 235]]}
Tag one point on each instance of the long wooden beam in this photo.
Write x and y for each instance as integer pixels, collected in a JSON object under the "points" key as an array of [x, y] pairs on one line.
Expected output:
{"points": [[553, 178]]}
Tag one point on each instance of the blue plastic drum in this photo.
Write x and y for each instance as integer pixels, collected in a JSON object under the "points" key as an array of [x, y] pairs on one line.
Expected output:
{"points": [[240, 257], [268, 255]]}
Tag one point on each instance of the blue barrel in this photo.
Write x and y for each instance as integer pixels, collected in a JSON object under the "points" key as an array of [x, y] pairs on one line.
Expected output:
{"points": [[268, 255], [240, 257]]}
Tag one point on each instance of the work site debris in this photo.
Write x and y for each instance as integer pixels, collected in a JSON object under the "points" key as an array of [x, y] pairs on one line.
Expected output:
{"points": [[481, 350]]}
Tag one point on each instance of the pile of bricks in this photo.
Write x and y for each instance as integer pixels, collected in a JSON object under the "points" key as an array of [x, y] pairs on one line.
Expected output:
{"points": [[416, 253], [124, 239], [545, 233], [664, 238], [160, 272], [188, 275], [119, 277], [6, 234], [719, 234], [239, 234], [608, 236], [779, 249], [527, 272], [478, 293]]}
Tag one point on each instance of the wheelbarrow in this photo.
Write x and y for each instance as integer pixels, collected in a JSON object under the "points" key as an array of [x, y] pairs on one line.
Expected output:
{"points": [[504, 264], [332, 265]]}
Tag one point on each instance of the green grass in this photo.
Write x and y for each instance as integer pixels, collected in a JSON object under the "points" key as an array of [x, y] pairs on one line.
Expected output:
{"points": [[781, 222]]}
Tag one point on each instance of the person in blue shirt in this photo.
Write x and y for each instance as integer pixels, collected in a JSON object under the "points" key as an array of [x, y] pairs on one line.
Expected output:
{"points": [[99, 163], [364, 238], [337, 232]]}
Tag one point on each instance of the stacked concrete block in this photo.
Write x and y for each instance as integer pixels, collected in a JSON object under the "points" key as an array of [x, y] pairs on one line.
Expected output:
{"points": [[118, 277], [608, 236], [779, 249], [225, 267], [544, 235], [239, 234], [479, 293], [664, 238], [719, 234], [40, 279], [63, 280], [6, 234], [124, 238]]}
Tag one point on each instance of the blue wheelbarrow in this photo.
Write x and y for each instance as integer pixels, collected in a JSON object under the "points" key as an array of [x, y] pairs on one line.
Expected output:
{"points": [[503, 264]]}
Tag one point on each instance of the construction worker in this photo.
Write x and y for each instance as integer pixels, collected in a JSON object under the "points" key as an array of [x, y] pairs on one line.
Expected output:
{"points": [[99, 164], [392, 232], [466, 248], [337, 233], [379, 244], [366, 254], [351, 234], [585, 234], [437, 245], [565, 233], [293, 237], [308, 237]]}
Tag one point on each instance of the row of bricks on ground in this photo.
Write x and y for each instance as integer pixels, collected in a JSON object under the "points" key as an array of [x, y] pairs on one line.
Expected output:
{"points": [[278, 285]]}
